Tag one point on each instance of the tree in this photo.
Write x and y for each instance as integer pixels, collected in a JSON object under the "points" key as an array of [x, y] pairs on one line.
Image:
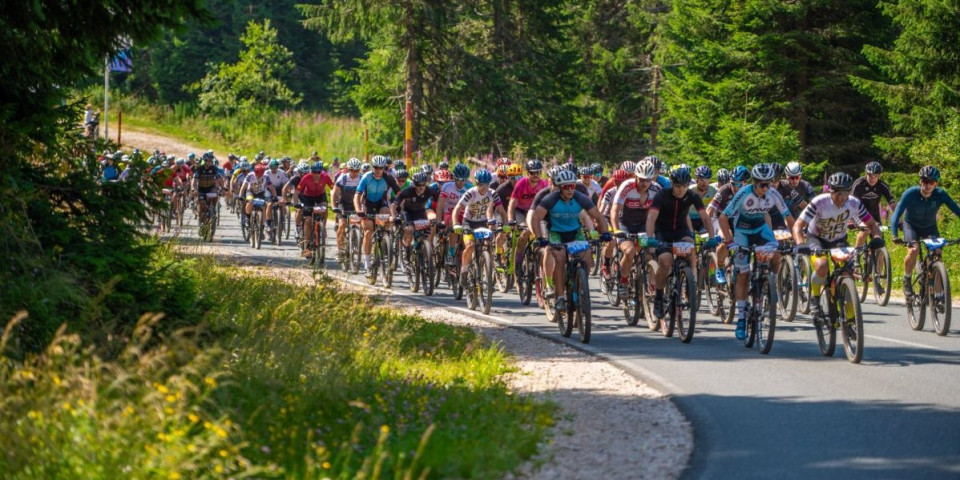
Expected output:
{"points": [[254, 81]]}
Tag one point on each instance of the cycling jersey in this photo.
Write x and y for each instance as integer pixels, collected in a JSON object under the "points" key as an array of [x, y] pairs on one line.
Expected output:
{"points": [[256, 185], [921, 213], [414, 203], [747, 210], [674, 211], [374, 189], [474, 204], [206, 177], [828, 221], [294, 181], [524, 192], [593, 188], [634, 205], [664, 182], [348, 188], [314, 185], [163, 176], [538, 198], [870, 195], [722, 199], [450, 192], [606, 202], [504, 191], [564, 215], [705, 197], [278, 179], [183, 172], [793, 196]]}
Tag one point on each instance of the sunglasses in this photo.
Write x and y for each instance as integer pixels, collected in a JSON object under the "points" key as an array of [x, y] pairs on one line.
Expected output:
{"points": [[927, 181], [737, 184], [378, 168], [842, 191], [516, 177], [643, 180], [568, 187], [419, 185], [793, 179], [762, 185], [535, 173]]}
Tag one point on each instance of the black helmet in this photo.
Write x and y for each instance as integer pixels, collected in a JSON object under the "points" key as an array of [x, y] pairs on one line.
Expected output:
{"points": [[930, 173], [874, 168], [680, 175], [840, 181], [534, 165]]}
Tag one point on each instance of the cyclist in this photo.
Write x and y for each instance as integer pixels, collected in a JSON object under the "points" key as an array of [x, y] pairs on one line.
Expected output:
{"points": [[825, 222], [750, 225], [723, 177], [869, 189], [661, 167], [256, 185], [628, 167], [312, 192], [521, 200], [720, 201], [502, 176], [450, 194], [705, 191], [277, 178], [206, 179], [371, 199], [796, 193], [344, 191], [290, 189], [919, 205], [667, 221], [504, 191], [413, 202], [606, 206], [598, 174], [476, 207], [629, 212], [586, 179], [562, 209]]}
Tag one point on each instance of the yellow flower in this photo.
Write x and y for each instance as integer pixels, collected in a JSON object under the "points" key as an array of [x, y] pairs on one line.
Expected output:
{"points": [[168, 411], [128, 411], [56, 380], [210, 381], [66, 406], [220, 432], [162, 389], [326, 465], [171, 399], [193, 418], [191, 448], [223, 453], [174, 476], [218, 469], [207, 425], [33, 414], [384, 429]]}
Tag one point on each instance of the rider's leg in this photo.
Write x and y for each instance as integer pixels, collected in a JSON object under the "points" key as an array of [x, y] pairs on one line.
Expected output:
{"points": [[909, 262], [341, 231], [467, 255], [664, 266], [407, 236], [626, 262], [367, 241], [560, 264]]}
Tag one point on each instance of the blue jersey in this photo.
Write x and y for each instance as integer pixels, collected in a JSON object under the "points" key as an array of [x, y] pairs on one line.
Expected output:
{"points": [[747, 211], [921, 213], [564, 215], [664, 182], [376, 189]]}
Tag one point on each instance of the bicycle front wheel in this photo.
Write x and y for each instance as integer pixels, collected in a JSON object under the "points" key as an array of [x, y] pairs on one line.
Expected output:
{"points": [[882, 276], [426, 260], [581, 298], [826, 333], [386, 259], [940, 302], [647, 295], [767, 314], [485, 282], [786, 288], [802, 264], [851, 324]]}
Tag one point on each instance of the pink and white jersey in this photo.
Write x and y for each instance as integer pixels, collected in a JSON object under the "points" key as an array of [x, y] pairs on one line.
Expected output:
{"points": [[606, 201], [475, 205], [524, 192], [256, 185], [634, 205], [452, 194], [829, 221]]}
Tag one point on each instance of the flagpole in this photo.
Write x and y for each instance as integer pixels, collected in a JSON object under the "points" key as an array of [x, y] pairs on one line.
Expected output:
{"points": [[106, 97]]}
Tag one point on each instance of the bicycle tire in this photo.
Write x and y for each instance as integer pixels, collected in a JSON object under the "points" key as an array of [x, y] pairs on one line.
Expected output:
{"points": [[564, 319], [851, 330], [648, 295], [386, 261], [688, 289], [710, 290], [882, 277], [376, 258], [917, 306], [766, 319], [426, 268], [485, 281], [671, 301], [786, 289], [597, 254], [583, 314], [321, 235], [356, 249], [940, 303], [631, 312], [413, 267], [287, 226], [864, 267], [823, 327], [803, 274], [525, 282]]}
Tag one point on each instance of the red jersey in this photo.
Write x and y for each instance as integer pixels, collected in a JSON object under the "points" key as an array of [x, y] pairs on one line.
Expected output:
{"points": [[314, 185]]}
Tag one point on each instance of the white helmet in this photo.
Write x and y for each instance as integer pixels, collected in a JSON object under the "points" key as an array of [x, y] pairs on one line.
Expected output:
{"points": [[565, 177], [353, 164], [646, 170], [762, 172], [379, 161], [793, 169]]}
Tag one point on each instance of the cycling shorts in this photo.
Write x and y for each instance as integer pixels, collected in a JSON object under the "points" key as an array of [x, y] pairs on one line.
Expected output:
{"points": [[682, 235], [412, 216], [473, 225], [762, 236], [520, 216], [911, 234], [697, 224], [374, 208], [815, 242], [567, 237], [313, 201]]}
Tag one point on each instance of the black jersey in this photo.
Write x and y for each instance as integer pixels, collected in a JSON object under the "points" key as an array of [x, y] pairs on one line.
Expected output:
{"points": [[870, 196], [410, 201], [674, 211]]}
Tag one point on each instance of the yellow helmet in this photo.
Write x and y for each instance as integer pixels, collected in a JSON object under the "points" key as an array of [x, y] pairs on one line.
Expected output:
{"points": [[513, 170]]}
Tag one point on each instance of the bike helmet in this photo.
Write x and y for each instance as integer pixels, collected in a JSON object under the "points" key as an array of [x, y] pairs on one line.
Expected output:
{"points": [[285, 159], [502, 170], [777, 169], [680, 175], [703, 171], [303, 166], [565, 177], [353, 164], [400, 165], [762, 172], [231, 156], [208, 155], [403, 174], [723, 176], [442, 176], [646, 170], [534, 165], [244, 164], [165, 163], [840, 181], [503, 161], [553, 172], [570, 168], [191, 156], [274, 164], [741, 174], [482, 177], [461, 172], [597, 168], [259, 169], [930, 173], [628, 166], [619, 176], [513, 170], [427, 168], [657, 163], [874, 168], [378, 161], [420, 178], [317, 167], [793, 169], [443, 165], [261, 154], [365, 167], [315, 154]]}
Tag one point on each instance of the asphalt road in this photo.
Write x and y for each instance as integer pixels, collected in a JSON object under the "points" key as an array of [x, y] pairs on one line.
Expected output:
{"points": [[790, 414]]}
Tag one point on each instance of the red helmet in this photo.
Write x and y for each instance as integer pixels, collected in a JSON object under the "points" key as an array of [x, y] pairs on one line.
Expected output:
{"points": [[503, 161], [502, 169], [619, 176], [442, 176], [259, 169]]}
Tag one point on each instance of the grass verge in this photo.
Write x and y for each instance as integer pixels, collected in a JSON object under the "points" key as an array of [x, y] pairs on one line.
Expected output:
{"points": [[296, 382]]}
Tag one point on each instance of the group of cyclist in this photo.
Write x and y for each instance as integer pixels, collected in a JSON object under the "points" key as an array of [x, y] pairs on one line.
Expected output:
{"points": [[739, 209]]}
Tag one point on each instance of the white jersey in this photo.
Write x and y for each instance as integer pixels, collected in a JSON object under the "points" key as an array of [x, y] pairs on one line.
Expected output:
{"points": [[254, 184], [747, 211], [593, 188], [450, 192], [828, 221], [606, 202], [278, 179], [475, 205]]}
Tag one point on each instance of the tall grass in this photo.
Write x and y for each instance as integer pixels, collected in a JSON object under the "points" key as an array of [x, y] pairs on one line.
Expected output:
{"points": [[297, 382]]}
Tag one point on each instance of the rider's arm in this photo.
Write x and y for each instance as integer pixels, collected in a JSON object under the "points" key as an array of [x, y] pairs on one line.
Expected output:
{"points": [[358, 201], [615, 216], [538, 215], [510, 207], [441, 205], [949, 202], [652, 222], [895, 219], [798, 227], [335, 195], [601, 222], [456, 213]]}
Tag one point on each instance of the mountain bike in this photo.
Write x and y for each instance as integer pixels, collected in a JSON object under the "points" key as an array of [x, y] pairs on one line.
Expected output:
{"points": [[577, 314], [504, 272], [680, 294], [610, 283], [479, 281], [256, 222], [528, 275], [208, 224], [313, 222], [706, 275], [278, 213], [354, 241], [840, 295], [931, 287], [439, 255], [381, 257], [873, 267], [787, 288], [761, 309], [633, 298], [421, 264]]}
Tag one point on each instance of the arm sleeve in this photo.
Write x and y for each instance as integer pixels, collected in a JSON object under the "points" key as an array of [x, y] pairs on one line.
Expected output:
{"points": [[861, 212], [735, 202], [809, 213], [657, 201], [949, 202], [584, 201], [392, 183], [895, 219], [808, 193], [885, 191], [781, 204]]}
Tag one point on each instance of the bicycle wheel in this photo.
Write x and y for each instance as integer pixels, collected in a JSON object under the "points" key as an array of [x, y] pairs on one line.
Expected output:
{"points": [[453, 279], [581, 298], [786, 289], [939, 295], [766, 316], [862, 270], [597, 254], [632, 302], [710, 285], [917, 305], [376, 258], [687, 301], [502, 277], [564, 318], [851, 324], [802, 274], [244, 229], [671, 302], [356, 249], [216, 220], [648, 293], [387, 259], [413, 267], [254, 234], [287, 226], [321, 235], [611, 285], [824, 328], [425, 258], [484, 278], [882, 276]]}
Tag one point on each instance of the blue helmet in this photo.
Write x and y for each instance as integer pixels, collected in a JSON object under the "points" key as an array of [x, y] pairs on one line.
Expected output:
{"points": [[741, 174], [317, 167], [461, 172], [482, 176], [680, 175], [703, 171]]}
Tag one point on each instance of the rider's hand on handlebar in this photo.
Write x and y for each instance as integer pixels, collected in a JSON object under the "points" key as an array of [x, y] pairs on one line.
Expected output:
{"points": [[543, 242], [606, 237], [398, 221], [457, 229], [898, 241], [802, 249], [877, 242]]}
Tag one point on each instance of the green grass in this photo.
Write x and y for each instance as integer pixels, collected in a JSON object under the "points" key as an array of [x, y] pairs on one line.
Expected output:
{"points": [[285, 381]]}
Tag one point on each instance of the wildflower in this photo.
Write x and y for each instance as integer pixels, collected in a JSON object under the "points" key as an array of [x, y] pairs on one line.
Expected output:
{"points": [[168, 411], [174, 476], [218, 469], [162, 389], [326, 465], [220, 432], [66, 406], [56, 380], [210, 381], [223, 453], [171, 399], [193, 418], [384, 429], [192, 448]]}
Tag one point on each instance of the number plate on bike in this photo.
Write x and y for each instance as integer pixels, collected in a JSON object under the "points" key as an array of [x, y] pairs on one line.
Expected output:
{"points": [[382, 219], [782, 235], [842, 254], [765, 254], [574, 248], [482, 233], [421, 224], [259, 202], [354, 220], [934, 243], [682, 249], [319, 209]]}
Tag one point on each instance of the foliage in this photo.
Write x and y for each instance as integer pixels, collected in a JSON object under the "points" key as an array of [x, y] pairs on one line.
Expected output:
{"points": [[302, 382], [253, 84]]}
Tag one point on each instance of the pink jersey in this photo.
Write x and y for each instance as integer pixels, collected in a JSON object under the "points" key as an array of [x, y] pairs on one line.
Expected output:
{"points": [[524, 192], [452, 194]]}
